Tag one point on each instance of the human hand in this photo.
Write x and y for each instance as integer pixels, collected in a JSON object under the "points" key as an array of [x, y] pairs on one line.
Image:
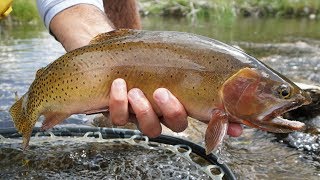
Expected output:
{"points": [[172, 113], [75, 27]]}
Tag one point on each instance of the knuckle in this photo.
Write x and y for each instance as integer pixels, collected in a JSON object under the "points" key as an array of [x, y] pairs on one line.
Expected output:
{"points": [[174, 114], [143, 112], [118, 101]]}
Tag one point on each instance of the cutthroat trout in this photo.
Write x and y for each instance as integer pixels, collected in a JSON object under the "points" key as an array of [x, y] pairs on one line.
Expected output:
{"points": [[216, 83]]}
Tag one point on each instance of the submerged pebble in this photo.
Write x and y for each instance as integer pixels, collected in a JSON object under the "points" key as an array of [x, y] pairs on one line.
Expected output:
{"points": [[304, 141]]}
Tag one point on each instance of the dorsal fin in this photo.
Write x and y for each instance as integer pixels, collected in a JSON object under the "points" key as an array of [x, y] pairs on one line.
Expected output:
{"points": [[16, 97], [112, 35], [39, 72]]}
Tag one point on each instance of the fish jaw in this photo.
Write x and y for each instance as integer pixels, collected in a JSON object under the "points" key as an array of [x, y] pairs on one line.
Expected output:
{"points": [[253, 99], [272, 121]]}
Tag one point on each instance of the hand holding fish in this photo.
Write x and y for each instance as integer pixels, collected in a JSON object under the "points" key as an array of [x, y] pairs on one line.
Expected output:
{"points": [[67, 23]]}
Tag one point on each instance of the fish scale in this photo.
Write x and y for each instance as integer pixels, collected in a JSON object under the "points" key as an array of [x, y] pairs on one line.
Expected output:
{"points": [[208, 77]]}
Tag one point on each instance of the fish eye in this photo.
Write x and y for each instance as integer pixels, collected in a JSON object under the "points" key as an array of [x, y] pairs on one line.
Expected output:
{"points": [[284, 91]]}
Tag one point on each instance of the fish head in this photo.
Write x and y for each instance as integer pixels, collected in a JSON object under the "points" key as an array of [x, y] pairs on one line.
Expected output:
{"points": [[257, 99]]}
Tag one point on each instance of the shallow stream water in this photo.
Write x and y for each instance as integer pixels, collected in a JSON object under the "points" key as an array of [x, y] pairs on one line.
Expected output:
{"points": [[289, 46]]}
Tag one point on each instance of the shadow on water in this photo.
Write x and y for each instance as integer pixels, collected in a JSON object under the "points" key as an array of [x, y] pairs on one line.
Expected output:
{"points": [[288, 45]]}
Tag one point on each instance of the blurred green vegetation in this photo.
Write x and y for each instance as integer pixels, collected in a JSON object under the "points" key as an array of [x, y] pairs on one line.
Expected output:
{"points": [[232, 8], [26, 10]]}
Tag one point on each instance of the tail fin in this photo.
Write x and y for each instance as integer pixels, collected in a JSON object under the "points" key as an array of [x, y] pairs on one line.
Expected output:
{"points": [[22, 121]]}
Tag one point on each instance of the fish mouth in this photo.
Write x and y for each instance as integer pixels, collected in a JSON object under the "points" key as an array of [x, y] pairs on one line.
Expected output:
{"points": [[273, 121]]}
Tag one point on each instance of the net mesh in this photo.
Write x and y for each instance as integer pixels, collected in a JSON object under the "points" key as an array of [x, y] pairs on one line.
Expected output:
{"points": [[89, 156]]}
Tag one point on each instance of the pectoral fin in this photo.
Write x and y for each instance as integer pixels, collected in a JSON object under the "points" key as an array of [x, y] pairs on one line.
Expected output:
{"points": [[52, 119], [217, 129]]}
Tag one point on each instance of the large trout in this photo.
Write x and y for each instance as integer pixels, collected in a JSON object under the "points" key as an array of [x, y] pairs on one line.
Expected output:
{"points": [[216, 83]]}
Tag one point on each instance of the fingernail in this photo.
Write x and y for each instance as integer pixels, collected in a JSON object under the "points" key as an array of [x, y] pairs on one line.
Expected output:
{"points": [[119, 83], [135, 94], [162, 95]]}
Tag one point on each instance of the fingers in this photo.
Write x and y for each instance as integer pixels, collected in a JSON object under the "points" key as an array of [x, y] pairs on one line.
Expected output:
{"points": [[118, 103], [175, 116], [234, 129], [148, 121]]}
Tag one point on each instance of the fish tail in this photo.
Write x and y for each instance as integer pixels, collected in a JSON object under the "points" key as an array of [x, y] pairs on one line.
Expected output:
{"points": [[22, 121]]}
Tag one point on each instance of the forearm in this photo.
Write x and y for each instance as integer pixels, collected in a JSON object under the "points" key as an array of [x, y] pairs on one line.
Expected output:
{"points": [[123, 13], [76, 26]]}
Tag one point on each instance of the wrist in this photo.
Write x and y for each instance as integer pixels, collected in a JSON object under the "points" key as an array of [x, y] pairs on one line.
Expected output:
{"points": [[76, 26]]}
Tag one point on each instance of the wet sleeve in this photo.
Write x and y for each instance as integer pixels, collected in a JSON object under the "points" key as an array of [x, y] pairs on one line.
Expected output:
{"points": [[49, 8]]}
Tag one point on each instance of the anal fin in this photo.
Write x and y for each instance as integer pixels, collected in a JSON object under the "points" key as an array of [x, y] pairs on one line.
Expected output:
{"points": [[217, 129], [52, 119]]}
